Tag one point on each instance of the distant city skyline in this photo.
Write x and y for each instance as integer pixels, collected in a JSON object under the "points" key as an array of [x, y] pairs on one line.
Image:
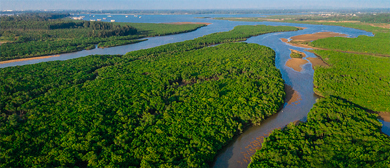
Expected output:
{"points": [[187, 4]]}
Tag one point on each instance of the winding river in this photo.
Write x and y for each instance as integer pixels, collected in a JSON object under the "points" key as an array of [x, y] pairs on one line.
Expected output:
{"points": [[242, 147]]}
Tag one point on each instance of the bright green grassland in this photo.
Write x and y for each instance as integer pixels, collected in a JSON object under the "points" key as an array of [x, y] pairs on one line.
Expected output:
{"points": [[337, 134], [172, 105]]}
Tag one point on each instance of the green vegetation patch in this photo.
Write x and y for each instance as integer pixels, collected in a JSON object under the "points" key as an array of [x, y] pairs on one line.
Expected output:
{"points": [[379, 44], [361, 79], [172, 105], [337, 134], [173, 110], [296, 54], [30, 36], [160, 29]]}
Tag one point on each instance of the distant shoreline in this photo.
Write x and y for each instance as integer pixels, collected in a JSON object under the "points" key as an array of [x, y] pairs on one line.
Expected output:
{"points": [[181, 23]]}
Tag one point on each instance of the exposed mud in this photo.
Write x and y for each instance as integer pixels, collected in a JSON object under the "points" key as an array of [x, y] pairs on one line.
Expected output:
{"points": [[292, 96], [299, 44], [315, 36], [296, 63], [316, 62], [27, 59], [384, 116]]}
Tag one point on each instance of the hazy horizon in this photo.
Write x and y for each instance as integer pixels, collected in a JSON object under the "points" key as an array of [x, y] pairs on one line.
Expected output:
{"points": [[187, 4]]}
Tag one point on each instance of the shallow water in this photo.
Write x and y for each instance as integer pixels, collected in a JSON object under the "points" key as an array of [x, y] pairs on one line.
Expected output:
{"points": [[238, 152]]}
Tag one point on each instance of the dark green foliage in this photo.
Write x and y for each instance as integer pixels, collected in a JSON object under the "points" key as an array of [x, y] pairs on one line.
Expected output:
{"points": [[361, 79], [239, 33], [296, 54], [168, 106], [36, 37], [118, 42], [173, 110], [337, 134]]}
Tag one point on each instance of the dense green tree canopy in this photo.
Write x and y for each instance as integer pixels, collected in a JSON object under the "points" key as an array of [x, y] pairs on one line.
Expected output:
{"points": [[170, 106], [337, 134], [31, 35], [361, 79], [340, 131]]}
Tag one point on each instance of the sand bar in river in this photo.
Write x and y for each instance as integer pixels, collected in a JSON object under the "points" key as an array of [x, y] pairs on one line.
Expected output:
{"points": [[26, 59], [296, 63], [316, 36]]}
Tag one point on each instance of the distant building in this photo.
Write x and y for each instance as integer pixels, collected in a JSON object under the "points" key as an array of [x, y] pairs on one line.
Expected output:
{"points": [[112, 20]]}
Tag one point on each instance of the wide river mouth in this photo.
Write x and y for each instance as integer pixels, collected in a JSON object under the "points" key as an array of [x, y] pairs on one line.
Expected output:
{"points": [[242, 147]]}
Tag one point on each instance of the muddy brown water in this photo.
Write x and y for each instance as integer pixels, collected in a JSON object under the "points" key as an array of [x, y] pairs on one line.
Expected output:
{"points": [[299, 101]]}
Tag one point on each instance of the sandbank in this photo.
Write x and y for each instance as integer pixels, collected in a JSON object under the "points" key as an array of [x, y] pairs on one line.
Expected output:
{"points": [[315, 36], [296, 63], [27, 59]]}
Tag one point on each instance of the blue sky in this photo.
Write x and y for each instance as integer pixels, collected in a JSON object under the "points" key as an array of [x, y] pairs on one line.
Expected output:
{"points": [[189, 4]]}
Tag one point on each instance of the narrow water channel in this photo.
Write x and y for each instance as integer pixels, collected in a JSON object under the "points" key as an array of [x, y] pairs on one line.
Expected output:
{"points": [[238, 152]]}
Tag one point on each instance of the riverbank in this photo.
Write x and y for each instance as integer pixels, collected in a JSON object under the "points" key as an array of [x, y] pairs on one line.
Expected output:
{"points": [[315, 36], [304, 39], [67, 40], [298, 44], [27, 59]]}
